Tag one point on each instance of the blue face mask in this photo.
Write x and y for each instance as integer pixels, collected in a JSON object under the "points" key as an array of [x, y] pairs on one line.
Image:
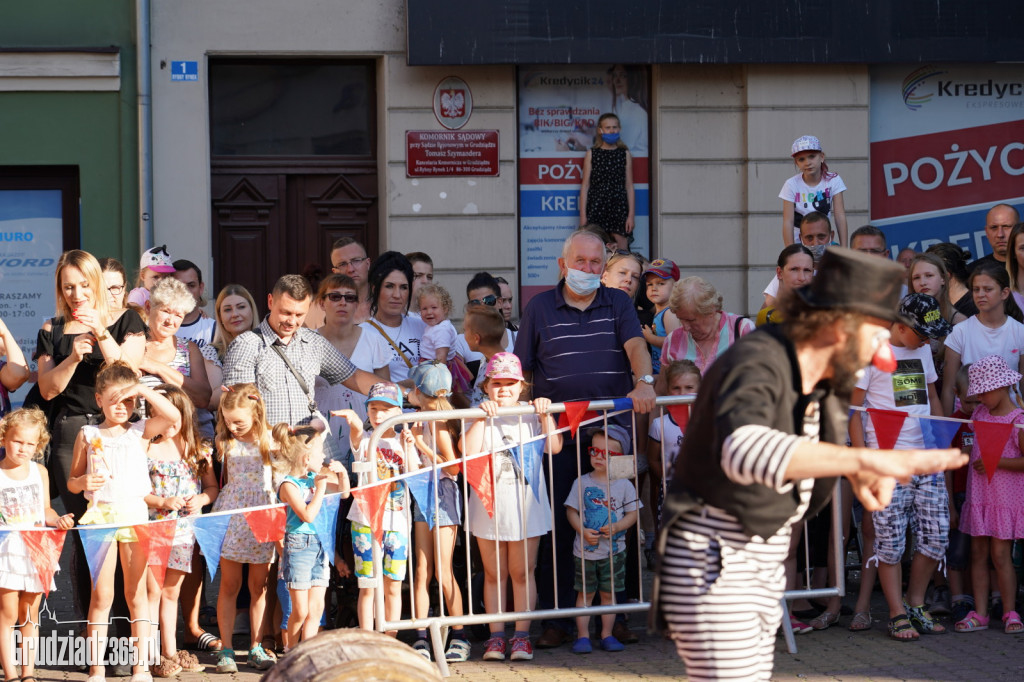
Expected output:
{"points": [[582, 283], [610, 138]]}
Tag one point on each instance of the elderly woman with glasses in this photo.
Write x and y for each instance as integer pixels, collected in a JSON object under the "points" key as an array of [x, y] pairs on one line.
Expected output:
{"points": [[705, 329]]}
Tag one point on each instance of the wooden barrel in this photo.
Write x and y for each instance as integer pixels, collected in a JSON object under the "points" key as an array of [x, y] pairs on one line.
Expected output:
{"points": [[353, 654]]}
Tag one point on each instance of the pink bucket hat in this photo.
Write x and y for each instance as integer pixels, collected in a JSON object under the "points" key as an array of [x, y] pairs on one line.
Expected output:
{"points": [[988, 374], [504, 366]]}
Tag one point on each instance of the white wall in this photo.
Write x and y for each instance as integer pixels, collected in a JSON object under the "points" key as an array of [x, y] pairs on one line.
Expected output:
{"points": [[724, 135], [472, 228]]}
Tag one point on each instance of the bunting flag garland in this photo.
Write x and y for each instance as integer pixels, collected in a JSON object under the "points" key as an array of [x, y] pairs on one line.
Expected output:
{"points": [[888, 424], [371, 502], [155, 541], [529, 457], [622, 405], [680, 415], [210, 531], [96, 542], [939, 433], [422, 488], [44, 548], [326, 524], [991, 439], [267, 525], [480, 476], [576, 412]]}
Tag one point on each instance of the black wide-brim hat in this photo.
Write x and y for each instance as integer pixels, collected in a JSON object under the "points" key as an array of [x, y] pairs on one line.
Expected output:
{"points": [[857, 282]]}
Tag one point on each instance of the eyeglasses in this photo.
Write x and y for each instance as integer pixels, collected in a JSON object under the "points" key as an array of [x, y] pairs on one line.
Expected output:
{"points": [[490, 300], [353, 263], [598, 452], [116, 289], [335, 297]]}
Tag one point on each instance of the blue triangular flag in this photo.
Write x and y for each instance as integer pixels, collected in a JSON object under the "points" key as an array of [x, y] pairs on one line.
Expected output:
{"points": [[938, 433], [422, 488], [3, 536], [326, 524], [210, 531], [96, 542], [529, 457]]}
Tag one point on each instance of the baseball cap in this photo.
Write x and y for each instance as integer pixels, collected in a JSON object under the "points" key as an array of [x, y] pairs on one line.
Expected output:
{"points": [[926, 315], [504, 366], [806, 143], [385, 392], [432, 379], [158, 260], [663, 268]]}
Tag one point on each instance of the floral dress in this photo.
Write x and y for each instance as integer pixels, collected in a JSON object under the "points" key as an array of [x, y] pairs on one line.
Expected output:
{"points": [[176, 479], [248, 485]]}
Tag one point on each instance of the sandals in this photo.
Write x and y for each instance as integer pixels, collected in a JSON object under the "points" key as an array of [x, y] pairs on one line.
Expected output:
{"points": [[168, 667], [458, 651], [899, 625], [189, 663], [205, 642], [825, 620], [861, 622], [972, 623], [923, 621], [1012, 624]]}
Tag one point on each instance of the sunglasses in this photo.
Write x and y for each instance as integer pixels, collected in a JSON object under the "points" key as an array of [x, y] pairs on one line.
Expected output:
{"points": [[598, 452], [335, 297], [490, 300]]}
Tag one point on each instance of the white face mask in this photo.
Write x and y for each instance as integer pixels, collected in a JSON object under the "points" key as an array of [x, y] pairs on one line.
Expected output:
{"points": [[582, 283]]}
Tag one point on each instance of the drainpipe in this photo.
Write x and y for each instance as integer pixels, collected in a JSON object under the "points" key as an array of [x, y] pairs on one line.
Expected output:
{"points": [[145, 88]]}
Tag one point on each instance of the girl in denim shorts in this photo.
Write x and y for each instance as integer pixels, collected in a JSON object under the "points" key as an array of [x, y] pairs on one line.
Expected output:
{"points": [[300, 459]]}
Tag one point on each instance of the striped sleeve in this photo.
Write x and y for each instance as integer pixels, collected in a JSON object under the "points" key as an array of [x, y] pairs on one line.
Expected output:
{"points": [[759, 454]]}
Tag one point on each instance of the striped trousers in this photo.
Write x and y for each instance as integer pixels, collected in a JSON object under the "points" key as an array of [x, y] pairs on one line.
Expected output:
{"points": [[720, 595]]}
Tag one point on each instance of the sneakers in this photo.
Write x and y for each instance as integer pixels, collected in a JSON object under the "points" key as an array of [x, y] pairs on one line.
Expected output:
{"points": [[940, 602], [259, 658], [522, 649], [494, 650], [923, 621], [226, 662], [458, 651], [609, 643], [582, 646], [960, 608], [422, 647]]}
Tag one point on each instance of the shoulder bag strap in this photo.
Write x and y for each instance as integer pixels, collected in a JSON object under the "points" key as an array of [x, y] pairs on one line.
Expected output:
{"points": [[398, 350], [295, 373]]}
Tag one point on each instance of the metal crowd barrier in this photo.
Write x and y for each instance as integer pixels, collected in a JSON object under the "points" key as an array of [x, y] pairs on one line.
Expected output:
{"points": [[438, 624]]}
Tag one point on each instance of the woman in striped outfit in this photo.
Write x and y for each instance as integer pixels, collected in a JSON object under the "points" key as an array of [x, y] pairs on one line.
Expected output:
{"points": [[761, 452]]}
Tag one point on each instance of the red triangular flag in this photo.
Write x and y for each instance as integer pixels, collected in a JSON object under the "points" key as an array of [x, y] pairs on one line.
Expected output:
{"points": [[44, 547], [888, 424], [575, 412], [992, 437], [267, 525], [156, 540], [680, 414], [480, 475], [371, 502]]}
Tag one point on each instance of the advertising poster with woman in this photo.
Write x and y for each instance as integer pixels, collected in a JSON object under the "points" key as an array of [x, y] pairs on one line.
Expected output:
{"points": [[559, 112]]}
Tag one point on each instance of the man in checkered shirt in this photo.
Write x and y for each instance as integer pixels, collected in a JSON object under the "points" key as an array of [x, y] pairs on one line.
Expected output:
{"points": [[251, 358]]}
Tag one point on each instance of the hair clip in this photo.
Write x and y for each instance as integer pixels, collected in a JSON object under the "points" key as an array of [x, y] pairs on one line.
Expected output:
{"points": [[253, 396], [291, 429], [226, 389]]}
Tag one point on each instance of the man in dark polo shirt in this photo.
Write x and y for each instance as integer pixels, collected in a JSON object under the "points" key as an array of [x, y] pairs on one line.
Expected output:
{"points": [[579, 341]]}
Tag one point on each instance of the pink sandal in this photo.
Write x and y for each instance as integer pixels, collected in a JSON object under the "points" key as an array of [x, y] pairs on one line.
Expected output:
{"points": [[972, 622], [1012, 624]]}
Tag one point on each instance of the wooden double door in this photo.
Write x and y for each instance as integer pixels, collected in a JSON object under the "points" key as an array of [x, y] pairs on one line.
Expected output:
{"points": [[278, 219]]}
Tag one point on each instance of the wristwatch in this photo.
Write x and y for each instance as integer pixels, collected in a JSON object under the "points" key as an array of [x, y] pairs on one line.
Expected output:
{"points": [[647, 379], [103, 335]]}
